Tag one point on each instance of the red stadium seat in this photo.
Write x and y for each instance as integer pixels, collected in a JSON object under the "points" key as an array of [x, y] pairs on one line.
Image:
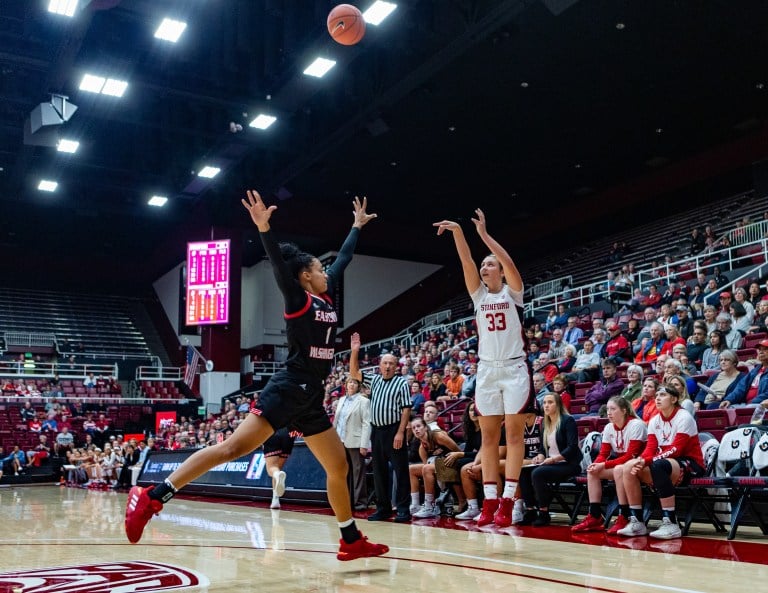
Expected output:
{"points": [[751, 340], [715, 421]]}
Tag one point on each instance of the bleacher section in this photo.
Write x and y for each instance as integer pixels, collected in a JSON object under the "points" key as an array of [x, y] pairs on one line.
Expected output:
{"points": [[85, 322], [14, 432], [647, 242]]}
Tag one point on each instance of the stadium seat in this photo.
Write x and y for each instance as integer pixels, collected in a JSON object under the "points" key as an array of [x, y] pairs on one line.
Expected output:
{"points": [[578, 407], [715, 421], [751, 340], [585, 425], [745, 354], [743, 414]]}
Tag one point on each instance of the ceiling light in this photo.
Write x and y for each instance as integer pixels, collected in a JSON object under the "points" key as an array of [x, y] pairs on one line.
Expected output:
{"points": [[263, 121], [46, 185], [114, 88], [157, 201], [105, 86], [524, 85], [69, 146], [209, 172], [92, 84], [659, 130], [170, 30], [64, 7], [620, 26], [319, 67], [378, 12]]}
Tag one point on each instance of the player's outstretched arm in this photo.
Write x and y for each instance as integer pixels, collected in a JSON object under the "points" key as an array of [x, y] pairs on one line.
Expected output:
{"points": [[511, 273], [471, 275]]}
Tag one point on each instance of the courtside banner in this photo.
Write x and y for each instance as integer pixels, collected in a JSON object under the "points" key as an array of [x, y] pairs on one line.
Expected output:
{"points": [[246, 476], [164, 420]]}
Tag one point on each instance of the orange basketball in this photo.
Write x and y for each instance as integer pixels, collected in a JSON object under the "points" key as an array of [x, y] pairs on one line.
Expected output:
{"points": [[346, 24]]}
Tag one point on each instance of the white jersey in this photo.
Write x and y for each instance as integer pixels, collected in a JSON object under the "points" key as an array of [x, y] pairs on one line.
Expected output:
{"points": [[634, 430], [499, 327]]}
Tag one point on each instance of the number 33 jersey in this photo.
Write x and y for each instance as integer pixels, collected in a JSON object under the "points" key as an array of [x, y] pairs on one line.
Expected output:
{"points": [[499, 323]]}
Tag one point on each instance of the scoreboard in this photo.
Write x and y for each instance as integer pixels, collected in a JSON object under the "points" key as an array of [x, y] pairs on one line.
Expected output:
{"points": [[207, 282]]}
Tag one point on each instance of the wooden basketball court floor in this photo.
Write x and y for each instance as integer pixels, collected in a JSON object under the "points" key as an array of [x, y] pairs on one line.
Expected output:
{"points": [[55, 539]]}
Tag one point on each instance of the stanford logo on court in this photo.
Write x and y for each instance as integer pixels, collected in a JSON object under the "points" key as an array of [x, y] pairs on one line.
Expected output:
{"points": [[114, 577]]}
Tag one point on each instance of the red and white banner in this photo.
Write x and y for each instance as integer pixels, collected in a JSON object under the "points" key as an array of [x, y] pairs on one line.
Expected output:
{"points": [[163, 420]]}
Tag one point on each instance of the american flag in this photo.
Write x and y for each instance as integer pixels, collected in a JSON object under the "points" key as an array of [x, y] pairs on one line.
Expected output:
{"points": [[193, 359]]}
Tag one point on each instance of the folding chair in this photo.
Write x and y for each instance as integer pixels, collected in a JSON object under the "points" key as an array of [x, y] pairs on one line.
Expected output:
{"points": [[717, 494], [709, 488], [590, 449], [753, 486]]}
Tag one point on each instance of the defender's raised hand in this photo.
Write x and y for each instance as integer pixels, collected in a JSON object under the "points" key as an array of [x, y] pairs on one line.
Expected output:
{"points": [[361, 216], [259, 212]]}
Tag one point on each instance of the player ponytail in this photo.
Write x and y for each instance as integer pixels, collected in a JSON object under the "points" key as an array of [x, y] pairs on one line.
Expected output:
{"points": [[296, 259]]}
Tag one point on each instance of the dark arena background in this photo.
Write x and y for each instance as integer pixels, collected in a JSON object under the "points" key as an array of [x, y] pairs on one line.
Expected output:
{"points": [[618, 149]]}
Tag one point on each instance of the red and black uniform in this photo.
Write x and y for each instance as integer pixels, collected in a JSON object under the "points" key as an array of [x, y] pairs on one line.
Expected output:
{"points": [[293, 397]]}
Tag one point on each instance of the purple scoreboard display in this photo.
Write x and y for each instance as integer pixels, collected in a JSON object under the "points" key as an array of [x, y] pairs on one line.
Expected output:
{"points": [[208, 282]]}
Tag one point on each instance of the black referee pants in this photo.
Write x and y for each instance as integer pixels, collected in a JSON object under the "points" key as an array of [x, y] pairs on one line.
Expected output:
{"points": [[382, 455]]}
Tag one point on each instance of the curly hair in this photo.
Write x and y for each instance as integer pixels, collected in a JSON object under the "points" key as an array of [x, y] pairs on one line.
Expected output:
{"points": [[296, 259]]}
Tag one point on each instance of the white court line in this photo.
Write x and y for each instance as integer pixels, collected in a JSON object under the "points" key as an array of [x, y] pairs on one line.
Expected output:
{"points": [[319, 545], [621, 581]]}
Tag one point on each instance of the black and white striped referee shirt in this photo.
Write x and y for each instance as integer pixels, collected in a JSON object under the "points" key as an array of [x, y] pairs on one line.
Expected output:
{"points": [[388, 398]]}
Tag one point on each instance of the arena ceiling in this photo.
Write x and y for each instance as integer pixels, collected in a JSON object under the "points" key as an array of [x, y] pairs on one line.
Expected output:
{"points": [[546, 113]]}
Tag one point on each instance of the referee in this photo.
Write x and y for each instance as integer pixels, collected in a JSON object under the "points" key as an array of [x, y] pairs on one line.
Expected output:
{"points": [[390, 412]]}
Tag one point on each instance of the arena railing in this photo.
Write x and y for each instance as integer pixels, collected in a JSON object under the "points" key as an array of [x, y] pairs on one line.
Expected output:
{"points": [[47, 370], [30, 339], [263, 367], [751, 233], [578, 296], [159, 373], [551, 286], [702, 262]]}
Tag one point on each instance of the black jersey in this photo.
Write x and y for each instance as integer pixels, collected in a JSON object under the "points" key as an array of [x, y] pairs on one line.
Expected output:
{"points": [[311, 336], [311, 320], [532, 439]]}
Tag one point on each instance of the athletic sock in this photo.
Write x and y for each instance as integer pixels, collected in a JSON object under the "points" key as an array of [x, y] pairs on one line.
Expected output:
{"points": [[636, 511], [164, 492], [594, 510], [670, 513], [349, 532], [490, 490], [624, 510], [415, 498], [510, 488]]}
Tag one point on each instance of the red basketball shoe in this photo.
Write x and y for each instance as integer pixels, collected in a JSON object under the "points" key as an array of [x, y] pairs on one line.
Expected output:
{"points": [[139, 511], [361, 548], [490, 506], [589, 523], [503, 516], [620, 523]]}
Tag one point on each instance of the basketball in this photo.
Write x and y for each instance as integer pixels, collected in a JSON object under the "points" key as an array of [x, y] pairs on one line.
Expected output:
{"points": [[346, 24]]}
